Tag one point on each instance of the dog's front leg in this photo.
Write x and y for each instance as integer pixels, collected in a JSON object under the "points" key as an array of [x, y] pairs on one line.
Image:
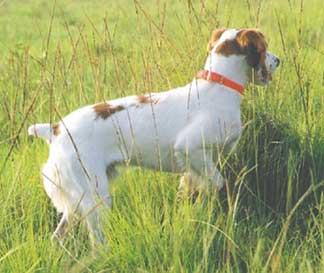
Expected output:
{"points": [[200, 170], [61, 228]]}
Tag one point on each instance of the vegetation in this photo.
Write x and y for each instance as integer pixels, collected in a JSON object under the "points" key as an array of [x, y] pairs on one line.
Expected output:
{"points": [[58, 56]]}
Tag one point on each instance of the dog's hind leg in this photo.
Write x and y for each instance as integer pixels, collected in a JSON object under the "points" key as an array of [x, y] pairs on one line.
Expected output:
{"points": [[103, 177], [96, 201], [99, 201], [91, 208], [94, 226], [53, 179]]}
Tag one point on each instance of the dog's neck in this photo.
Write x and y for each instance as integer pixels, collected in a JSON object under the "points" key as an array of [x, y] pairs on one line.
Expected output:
{"points": [[232, 67]]}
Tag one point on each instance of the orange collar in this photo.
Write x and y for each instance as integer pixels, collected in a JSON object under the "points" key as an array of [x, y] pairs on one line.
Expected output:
{"points": [[215, 77]]}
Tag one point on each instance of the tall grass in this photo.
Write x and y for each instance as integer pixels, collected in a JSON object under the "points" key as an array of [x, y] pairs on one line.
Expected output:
{"points": [[58, 56]]}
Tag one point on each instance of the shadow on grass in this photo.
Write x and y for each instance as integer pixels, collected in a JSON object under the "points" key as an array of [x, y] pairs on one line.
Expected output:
{"points": [[283, 165]]}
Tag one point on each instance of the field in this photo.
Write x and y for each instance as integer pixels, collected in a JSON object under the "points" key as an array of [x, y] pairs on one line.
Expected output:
{"points": [[58, 56]]}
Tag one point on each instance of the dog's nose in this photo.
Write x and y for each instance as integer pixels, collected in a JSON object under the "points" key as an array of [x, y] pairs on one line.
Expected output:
{"points": [[277, 61]]}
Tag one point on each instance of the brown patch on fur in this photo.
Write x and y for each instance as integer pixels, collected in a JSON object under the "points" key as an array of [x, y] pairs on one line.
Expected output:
{"points": [[146, 99], [214, 38], [105, 110], [249, 42], [56, 129], [254, 44], [143, 99], [230, 47]]}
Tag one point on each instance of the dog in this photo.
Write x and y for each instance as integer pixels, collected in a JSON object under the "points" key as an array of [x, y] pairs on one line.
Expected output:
{"points": [[178, 131]]}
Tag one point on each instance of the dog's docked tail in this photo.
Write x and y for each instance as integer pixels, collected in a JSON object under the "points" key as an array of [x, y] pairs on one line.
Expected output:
{"points": [[44, 130]]}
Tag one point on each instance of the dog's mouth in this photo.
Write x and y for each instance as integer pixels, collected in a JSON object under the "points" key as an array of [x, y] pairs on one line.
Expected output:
{"points": [[263, 72], [262, 76]]}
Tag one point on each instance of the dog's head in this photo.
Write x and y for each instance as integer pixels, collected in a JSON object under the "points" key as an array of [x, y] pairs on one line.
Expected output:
{"points": [[249, 43]]}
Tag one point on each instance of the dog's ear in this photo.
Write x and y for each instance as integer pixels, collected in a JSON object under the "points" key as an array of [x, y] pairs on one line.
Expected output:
{"points": [[214, 38], [253, 44]]}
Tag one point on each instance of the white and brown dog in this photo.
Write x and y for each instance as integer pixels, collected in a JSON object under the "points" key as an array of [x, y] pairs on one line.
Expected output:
{"points": [[179, 130]]}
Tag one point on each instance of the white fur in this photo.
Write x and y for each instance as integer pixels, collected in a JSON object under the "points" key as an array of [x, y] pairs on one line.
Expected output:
{"points": [[180, 132]]}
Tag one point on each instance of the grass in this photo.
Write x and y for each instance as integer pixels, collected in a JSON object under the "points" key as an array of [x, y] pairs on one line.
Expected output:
{"points": [[56, 57]]}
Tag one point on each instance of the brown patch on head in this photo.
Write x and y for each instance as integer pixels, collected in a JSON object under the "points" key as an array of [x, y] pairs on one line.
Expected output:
{"points": [[214, 38], [254, 45], [56, 129], [248, 42], [105, 110], [230, 47]]}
